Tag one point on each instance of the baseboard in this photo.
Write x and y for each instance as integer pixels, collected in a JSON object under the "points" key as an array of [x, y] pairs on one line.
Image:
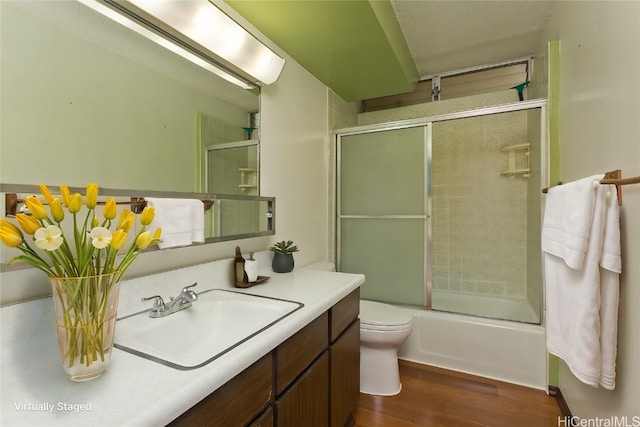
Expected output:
{"points": [[564, 407]]}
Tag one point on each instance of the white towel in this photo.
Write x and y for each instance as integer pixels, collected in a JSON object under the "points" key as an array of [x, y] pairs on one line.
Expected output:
{"points": [[197, 220], [182, 221], [610, 269], [581, 300], [567, 219]]}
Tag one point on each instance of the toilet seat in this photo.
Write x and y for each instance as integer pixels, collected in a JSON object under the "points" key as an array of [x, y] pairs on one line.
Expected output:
{"points": [[383, 317]]}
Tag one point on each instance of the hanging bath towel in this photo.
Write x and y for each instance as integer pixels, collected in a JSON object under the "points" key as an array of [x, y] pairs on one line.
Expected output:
{"points": [[580, 239]]}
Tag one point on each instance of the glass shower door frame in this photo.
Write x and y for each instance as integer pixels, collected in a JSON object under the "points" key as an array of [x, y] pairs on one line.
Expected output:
{"points": [[541, 104], [427, 200]]}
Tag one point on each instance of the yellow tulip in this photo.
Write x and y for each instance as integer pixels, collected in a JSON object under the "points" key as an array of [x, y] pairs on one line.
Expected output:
{"points": [[8, 225], [75, 203], [28, 223], [118, 239], [10, 239], [95, 222], [36, 207], [144, 240], [46, 193], [110, 209], [56, 209], [157, 234], [10, 235], [92, 195], [147, 215], [66, 195], [127, 218]]}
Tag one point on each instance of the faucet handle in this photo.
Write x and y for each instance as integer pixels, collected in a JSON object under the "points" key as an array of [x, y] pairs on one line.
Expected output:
{"points": [[189, 293], [158, 302], [190, 286]]}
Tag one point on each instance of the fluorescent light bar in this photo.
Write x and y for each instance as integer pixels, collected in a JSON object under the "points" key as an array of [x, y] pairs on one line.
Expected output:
{"points": [[167, 44], [200, 27]]}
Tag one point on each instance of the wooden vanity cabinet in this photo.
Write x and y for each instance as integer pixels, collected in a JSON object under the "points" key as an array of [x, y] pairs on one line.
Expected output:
{"points": [[314, 379]]}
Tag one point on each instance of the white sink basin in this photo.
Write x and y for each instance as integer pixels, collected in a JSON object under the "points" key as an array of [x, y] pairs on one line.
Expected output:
{"points": [[217, 322]]}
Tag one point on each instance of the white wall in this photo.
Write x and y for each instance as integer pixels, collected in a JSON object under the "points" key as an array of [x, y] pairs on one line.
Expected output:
{"points": [[600, 131], [294, 159]]}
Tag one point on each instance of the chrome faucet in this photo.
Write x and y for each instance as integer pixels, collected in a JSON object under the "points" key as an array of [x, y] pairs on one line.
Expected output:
{"points": [[182, 301]]}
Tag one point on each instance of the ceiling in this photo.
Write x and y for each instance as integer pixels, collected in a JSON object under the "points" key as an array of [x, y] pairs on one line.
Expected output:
{"points": [[365, 49]]}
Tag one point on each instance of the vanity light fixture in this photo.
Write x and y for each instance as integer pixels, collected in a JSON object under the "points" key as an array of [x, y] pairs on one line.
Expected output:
{"points": [[200, 32]]}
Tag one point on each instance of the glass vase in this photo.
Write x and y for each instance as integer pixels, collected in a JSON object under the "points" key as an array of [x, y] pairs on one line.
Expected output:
{"points": [[86, 309]]}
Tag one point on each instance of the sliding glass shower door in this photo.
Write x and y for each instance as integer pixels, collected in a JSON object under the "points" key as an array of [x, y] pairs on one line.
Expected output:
{"points": [[383, 211]]}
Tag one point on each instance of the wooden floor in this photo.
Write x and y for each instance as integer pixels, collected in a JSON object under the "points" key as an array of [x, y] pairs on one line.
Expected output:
{"points": [[433, 397]]}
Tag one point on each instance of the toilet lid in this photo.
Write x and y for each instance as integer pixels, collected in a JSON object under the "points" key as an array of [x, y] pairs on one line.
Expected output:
{"points": [[379, 314]]}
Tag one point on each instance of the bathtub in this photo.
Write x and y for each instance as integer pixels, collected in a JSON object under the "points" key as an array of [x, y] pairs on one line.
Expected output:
{"points": [[496, 307], [507, 351]]}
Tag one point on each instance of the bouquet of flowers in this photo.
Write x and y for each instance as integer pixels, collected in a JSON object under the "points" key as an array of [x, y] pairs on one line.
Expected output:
{"points": [[84, 268], [96, 246]]}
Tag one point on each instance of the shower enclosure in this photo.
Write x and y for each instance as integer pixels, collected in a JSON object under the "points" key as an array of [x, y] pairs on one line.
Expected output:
{"points": [[445, 213]]}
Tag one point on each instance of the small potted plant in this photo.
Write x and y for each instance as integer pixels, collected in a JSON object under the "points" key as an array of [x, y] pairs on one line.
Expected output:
{"points": [[283, 256]]}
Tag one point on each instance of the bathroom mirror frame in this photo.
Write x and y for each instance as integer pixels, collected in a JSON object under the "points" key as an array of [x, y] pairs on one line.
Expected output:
{"points": [[10, 190]]}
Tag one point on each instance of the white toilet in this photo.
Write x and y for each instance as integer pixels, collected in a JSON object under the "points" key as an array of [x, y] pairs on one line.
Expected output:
{"points": [[383, 329]]}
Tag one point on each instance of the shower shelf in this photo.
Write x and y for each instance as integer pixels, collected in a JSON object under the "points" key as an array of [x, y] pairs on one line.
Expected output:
{"points": [[518, 160], [248, 178]]}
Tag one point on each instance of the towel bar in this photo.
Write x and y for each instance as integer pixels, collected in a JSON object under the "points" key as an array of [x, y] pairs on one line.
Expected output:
{"points": [[615, 178]]}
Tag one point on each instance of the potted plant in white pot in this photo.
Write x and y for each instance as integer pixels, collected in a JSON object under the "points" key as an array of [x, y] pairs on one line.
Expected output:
{"points": [[283, 256]]}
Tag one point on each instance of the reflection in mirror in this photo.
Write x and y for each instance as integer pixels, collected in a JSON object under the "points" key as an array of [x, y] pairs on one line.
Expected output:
{"points": [[85, 99], [233, 168], [230, 159], [240, 218], [226, 217]]}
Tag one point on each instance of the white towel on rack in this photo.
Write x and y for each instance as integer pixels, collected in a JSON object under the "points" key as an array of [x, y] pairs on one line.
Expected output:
{"points": [[182, 221], [197, 220], [610, 269], [567, 220], [579, 294]]}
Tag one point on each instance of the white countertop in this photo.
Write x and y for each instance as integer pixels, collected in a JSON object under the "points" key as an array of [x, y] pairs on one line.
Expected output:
{"points": [[134, 391]]}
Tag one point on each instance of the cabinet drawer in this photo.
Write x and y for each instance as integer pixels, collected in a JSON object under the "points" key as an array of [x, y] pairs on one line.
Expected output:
{"points": [[306, 402], [344, 312], [237, 401], [295, 354]]}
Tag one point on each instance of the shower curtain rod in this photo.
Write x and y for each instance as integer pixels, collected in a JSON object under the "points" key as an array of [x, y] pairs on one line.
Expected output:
{"points": [[615, 178]]}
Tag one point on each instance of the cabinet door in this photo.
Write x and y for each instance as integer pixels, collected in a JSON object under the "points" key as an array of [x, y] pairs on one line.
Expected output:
{"points": [[237, 402], [306, 402], [345, 376]]}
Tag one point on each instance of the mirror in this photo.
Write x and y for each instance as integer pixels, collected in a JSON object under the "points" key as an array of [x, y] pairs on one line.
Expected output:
{"points": [[85, 99], [88, 100], [226, 216]]}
